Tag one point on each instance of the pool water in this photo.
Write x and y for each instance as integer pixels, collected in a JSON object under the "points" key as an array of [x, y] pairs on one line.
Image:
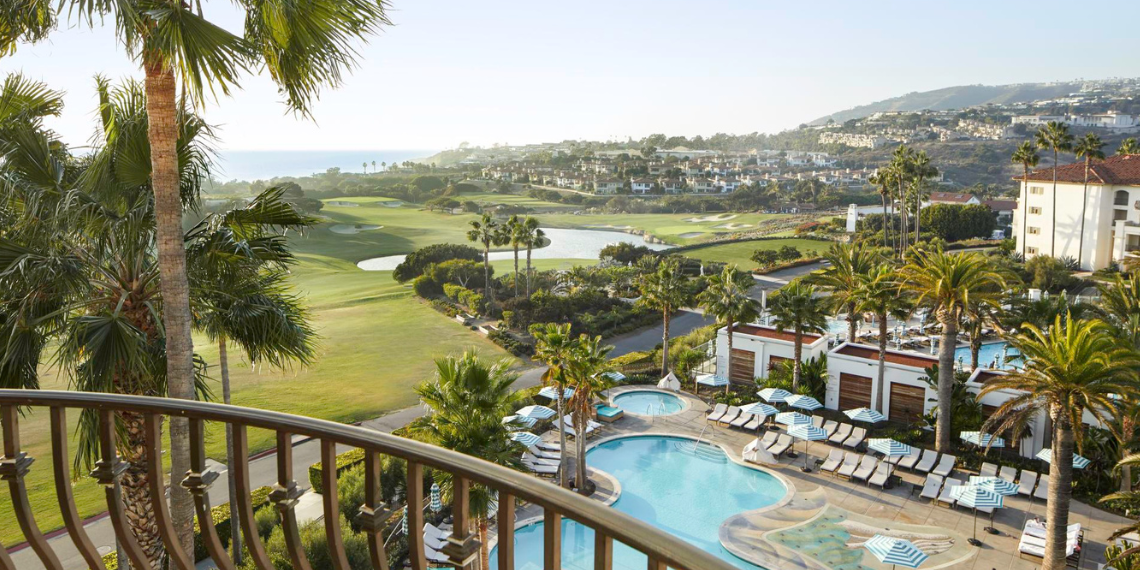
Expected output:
{"points": [[988, 353], [684, 491], [648, 403]]}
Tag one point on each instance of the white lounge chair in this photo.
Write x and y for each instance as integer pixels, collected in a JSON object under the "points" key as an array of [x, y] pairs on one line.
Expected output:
{"points": [[729, 415], [1027, 482], [988, 470], [434, 556], [717, 413], [850, 463], [541, 469], [753, 424], [909, 461], [866, 468], [834, 459], [882, 474], [528, 458], [539, 453], [434, 537], [817, 421], [1042, 491], [783, 442], [741, 420], [927, 462], [945, 465], [829, 427], [841, 433], [945, 498], [1008, 473], [549, 447], [857, 437], [1032, 543], [567, 425], [896, 460], [931, 487]]}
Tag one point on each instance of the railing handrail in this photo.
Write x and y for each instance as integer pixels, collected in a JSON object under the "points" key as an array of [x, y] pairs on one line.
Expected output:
{"points": [[624, 528]]}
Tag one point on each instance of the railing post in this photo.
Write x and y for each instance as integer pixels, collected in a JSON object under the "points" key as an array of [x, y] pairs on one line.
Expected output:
{"points": [[108, 470], [240, 471], [197, 482], [506, 528], [61, 468], [551, 539], [153, 426], [415, 513], [373, 513], [285, 495], [603, 551], [655, 564], [14, 465], [332, 506], [463, 545]]}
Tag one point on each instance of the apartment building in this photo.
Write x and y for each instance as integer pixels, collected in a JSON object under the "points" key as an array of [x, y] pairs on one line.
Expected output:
{"points": [[852, 140]]}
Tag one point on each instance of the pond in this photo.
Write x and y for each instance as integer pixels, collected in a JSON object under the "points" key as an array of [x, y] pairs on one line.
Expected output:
{"points": [[564, 244]]}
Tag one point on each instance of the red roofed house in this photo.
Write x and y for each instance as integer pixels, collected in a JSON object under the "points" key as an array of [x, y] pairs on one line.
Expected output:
{"points": [[953, 198], [1097, 227]]}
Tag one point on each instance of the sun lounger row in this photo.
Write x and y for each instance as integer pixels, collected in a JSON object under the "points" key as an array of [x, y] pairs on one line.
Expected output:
{"points": [[1028, 484], [773, 443], [1032, 543], [926, 461], [844, 435], [851, 465]]}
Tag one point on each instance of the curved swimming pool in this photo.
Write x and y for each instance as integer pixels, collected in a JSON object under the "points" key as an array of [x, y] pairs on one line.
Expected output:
{"points": [[649, 403], [681, 488]]}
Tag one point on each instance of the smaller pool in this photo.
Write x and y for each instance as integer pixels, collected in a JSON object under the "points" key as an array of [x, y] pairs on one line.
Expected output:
{"points": [[648, 403], [991, 355]]}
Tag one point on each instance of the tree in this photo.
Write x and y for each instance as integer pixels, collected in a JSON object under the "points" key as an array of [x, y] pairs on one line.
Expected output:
{"points": [[1025, 155], [418, 261], [468, 399], [1090, 148], [729, 303], [877, 292], [487, 232], [840, 277], [517, 235], [921, 169], [1128, 146], [765, 257], [665, 290], [789, 253], [1071, 369], [373, 166], [554, 347], [949, 284], [587, 376], [534, 237], [884, 179], [797, 307], [1055, 136]]}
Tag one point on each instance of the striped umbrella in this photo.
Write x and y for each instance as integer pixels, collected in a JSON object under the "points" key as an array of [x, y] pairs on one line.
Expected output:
{"points": [[760, 409], [537, 412], [404, 521], [803, 402], [888, 447], [516, 421], [974, 496], [981, 439], [792, 418], [551, 393], [435, 504], [807, 432], [895, 551], [774, 395], [712, 380], [614, 376], [526, 438], [994, 485], [1046, 455], [865, 415]]}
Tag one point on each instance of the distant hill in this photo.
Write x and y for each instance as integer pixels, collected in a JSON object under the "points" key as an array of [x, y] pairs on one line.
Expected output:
{"points": [[957, 98]]}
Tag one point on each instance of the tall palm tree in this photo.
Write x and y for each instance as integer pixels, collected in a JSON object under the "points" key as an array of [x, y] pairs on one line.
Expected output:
{"points": [[487, 232], [533, 238], [1025, 155], [797, 307], [727, 301], [1128, 146], [901, 163], [586, 372], [373, 166], [921, 169], [1056, 137], [1075, 367], [468, 399], [877, 292], [665, 290], [948, 284], [884, 179], [1090, 148], [1120, 304], [555, 347], [365, 165], [845, 263], [516, 236], [303, 46]]}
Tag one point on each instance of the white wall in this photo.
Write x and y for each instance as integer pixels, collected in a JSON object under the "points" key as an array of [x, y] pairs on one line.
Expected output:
{"points": [[1097, 248], [764, 348], [895, 374]]}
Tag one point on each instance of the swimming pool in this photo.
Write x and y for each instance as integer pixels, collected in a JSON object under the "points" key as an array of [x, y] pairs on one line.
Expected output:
{"points": [[989, 354], [649, 403], [667, 482]]}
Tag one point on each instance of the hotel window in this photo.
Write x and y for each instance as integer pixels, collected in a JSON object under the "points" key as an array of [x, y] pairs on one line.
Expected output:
{"points": [[1034, 210], [1036, 189], [1118, 215], [1030, 251], [1034, 231]]}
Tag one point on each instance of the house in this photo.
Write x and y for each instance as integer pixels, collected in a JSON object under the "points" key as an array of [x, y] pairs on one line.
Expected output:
{"points": [[1004, 210], [672, 186], [702, 185], [758, 348], [953, 198], [852, 377], [1097, 227], [727, 185], [607, 186], [641, 185]]}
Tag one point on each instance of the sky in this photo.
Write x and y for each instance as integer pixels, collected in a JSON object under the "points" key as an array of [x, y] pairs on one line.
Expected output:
{"points": [[525, 71]]}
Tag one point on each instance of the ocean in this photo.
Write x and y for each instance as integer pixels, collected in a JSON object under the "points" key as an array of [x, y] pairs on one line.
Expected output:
{"points": [[265, 164]]}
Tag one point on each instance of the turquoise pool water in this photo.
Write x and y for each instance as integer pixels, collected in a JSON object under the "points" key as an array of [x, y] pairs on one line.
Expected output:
{"points": [[665, 482], [988, 353], [648, 403]]}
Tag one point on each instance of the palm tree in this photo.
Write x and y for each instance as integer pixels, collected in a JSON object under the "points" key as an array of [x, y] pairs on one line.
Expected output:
{"points": [[727, 301], [949, 284], [468, 399], [555, 347], [384, 165], [1120, 304], [365, 164], [665, 290], [877, 292], [1090, 148], [901, 161], [533, 237], [487, 232], [373, 166], [884, 179], [516, 235], [586, 373], [1073, 368], [921, 169], [845, 263], [1025, 155], [1055, 136], [1128, 146], [797, 307]]}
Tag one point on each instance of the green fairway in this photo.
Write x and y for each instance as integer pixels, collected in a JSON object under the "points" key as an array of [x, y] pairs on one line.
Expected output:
{"points": [[679, 229], [740, 253]]}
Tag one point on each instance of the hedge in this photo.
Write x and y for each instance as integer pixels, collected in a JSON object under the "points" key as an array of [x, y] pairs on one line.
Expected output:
{"points": [[684, 248], [343, 461]]}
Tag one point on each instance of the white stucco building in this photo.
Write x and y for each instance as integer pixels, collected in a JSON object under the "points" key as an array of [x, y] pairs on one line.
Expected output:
{"points": [[757, 348]]}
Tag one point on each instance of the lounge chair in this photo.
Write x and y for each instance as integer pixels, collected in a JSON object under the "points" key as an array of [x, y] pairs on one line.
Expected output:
{"points": [[866, 468], [817, 421], [541, 469], [988, 470], [717, 413], [761, 443], [1032, 544], [931, 487], [882, 474], [434, 537], [897, 459], [753, 424], [1008, 473], [945, 498], [528, 458], [741, 420], [834, 459], [1042, 491], [927, 462], [850, 463], [552, 447], [909, 461], [434, 556], [857, 437], [829, 427], [783, 442], [567, 424], [731, 414], [1027, 482], [945, 465], [841, 433], [543, 454]]}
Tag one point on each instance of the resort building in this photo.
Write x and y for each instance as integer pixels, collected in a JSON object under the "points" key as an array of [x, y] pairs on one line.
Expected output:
{"points": [[852, 140], [853, 372], [757, 348]]}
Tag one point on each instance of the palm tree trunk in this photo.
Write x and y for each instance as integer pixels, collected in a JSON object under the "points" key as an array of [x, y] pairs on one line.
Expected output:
{"points": [[852, 323], [797, 364], [918, 215], [975, 347], [235, 526], [562, 478], [487, 294], [882, 385], [886, 232], [135, 484], [1060, 494], [484, 551], [1128, 429], [1084, 207], [730, 323], [665, 344], [528, 274], [1024, 208], [162, 132], [1053, 245], [516, 270], [945, 382], [582, 477]]}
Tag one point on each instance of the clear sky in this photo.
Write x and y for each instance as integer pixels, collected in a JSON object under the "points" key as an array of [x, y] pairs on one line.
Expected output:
{"points": [[518, 71]]}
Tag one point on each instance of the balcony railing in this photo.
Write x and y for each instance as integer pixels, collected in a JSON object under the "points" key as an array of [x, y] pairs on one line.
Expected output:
{"points": [[462, 549]]}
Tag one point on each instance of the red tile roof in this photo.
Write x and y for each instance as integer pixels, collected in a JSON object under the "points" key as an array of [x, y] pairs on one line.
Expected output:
{"points": [[770, 332], [950, 197], [1118, 170], [903, 358], [999, 205]]}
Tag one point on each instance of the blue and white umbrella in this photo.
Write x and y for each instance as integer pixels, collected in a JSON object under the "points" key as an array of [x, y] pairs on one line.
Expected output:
{"points": [[712, 380], [981, 439], [803, 402], [994, 484], [526, 438], [759, 409], [792, 419], [537, 412], [404, 521], [1046, 455], [614, 376], [518, 422], [807, 432], [976, 497], [895, 551], [435, 504], [865, 415], [888, 447], [551, 393], [774, 395]]}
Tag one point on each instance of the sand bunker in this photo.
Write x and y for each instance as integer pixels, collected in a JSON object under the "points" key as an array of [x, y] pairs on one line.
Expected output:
{"points": [[609, 227], [689, 235], [342, 204], [731, 226], [347, 229], [716, 218], [392, 204]]}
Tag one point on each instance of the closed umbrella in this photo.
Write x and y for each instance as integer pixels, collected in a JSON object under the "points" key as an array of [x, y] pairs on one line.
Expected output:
{"points": [[774, 395], [974, 496], [404, 521], [996, 485], [895, 551], [803, 402], [1046, 455], [435, 504], [865, 415], [807, 432]]}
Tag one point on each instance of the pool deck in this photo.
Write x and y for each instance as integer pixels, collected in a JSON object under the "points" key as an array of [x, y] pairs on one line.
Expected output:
{"points": [[749, 535]]}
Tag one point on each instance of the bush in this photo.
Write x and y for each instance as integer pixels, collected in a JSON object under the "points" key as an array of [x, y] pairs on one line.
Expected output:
{"points": [[426, 287], [393, 472], [414, 264], [473, 300], [315, 544], [1049, 274], [765, 257], [452, 291], [510, 344], [222, 521]]}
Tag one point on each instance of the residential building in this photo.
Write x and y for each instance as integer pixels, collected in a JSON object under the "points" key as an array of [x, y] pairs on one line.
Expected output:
{"points": [[607, 186], [953, 198], [852, 140], [1111, 120], [852, 381], [672, 185], [702, 185], [641, 185]]}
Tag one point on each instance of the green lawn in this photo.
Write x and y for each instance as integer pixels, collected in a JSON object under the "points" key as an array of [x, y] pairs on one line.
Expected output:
{"points": [[740, 253], [680, 229]]}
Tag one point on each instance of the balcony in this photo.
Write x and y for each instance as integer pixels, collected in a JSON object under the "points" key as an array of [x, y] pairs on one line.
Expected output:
{"points": [[661, 549]]}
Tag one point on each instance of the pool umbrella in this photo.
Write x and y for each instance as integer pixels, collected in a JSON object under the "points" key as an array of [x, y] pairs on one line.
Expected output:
{"points": [[996, 485], [974, 496], [1046, 455], [516, 421], [981, 439], [404, 521], [803, 402], [807, 432], [774, 395], [888, 447], [895, 551], [435, 504], [712, 380], [865, 415], [537, 412], [526, 438], [551, 393], [792, 419], [614, 376]]}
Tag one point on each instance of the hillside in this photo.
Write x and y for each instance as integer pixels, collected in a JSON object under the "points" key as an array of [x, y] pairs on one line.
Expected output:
{"points": [[956, 98]]}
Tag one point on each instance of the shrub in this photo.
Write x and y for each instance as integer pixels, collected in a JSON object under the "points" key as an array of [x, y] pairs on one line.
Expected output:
{"points": [[473, 300], [510, 344], [393, 472], [414, 264], [1049, 274], [426, 287], [765, 257], [452, 291], [315, 544]]}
